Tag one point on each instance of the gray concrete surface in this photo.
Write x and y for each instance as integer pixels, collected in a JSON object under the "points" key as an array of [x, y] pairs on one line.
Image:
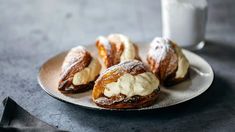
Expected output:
{"points": [[31, 31]]}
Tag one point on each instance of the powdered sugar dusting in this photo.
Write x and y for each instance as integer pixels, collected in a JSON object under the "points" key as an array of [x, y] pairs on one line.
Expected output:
{"points": [[78, 48], [126, 65], [72, 57], [105, 42], [159, 48]]}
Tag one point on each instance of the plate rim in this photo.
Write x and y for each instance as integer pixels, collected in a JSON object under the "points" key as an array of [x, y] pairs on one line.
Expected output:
{"points": [[105, 109]]}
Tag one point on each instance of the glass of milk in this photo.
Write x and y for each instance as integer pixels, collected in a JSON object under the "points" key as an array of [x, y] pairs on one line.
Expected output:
{"points": [[184, 22]]}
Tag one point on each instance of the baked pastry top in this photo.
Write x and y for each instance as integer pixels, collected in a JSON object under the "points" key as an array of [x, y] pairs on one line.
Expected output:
{"points": [[167, 61], [128, 84], [116, 48], [79, 71]]}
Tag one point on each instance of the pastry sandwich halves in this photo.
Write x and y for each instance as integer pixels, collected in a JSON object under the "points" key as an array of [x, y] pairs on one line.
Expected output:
{"points": [[79, 71], [126, 85], [116, 48], [167, 61]]}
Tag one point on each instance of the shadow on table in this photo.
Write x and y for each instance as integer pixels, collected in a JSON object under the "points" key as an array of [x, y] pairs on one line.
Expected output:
{"points": [[218, 50], [219, 92]]}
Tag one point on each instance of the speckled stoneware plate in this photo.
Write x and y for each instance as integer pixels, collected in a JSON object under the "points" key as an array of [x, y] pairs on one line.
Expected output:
{"points": [[201, 77]]}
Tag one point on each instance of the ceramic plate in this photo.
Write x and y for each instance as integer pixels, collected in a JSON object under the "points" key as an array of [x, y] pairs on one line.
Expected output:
{"points": [[201, 77]]}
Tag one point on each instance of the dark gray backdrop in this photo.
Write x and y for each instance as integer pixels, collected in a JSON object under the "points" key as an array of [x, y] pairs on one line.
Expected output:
{"points": [[31, 31]]}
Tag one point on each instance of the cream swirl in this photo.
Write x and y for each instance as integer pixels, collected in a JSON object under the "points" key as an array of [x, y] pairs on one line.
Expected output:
{"points": [[88, 74], [142, 84]]}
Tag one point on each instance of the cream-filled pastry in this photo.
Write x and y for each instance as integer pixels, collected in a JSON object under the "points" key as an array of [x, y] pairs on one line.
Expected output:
{"points": [[116, 48], [167, 61], [79, 71], [126, 85]]}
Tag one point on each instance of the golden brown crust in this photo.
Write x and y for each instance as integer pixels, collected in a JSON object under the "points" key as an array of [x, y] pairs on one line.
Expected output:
{"points": [[76, 60], [128, 103], [166, 68], [77, 89], [111, 49], [110, 53], [162, 69], [112, 74]]}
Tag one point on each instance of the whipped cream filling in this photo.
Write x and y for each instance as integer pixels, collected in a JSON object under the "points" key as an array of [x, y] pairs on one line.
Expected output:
{"points": [[88, 74], [183, 64], [129, 49], [142, 84]]}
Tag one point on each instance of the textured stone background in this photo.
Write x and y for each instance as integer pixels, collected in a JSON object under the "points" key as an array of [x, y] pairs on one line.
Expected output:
{"points": [[31, 31]]}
